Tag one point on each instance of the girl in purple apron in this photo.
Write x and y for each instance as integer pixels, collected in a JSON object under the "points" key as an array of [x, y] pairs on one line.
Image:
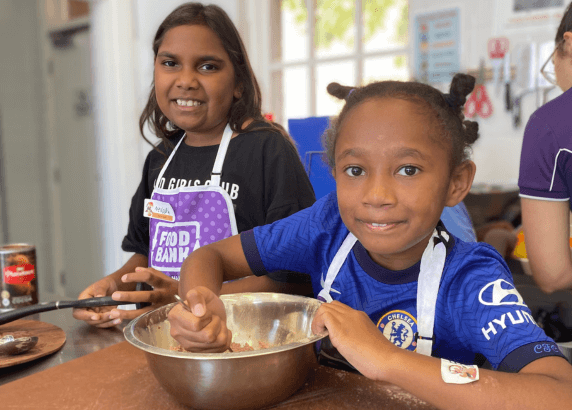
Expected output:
{"points": [[186, 218], [204, 95]]}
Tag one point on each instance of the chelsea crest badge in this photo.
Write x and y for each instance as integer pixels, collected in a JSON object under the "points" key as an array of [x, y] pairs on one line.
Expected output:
{"points": [[399, 327]]}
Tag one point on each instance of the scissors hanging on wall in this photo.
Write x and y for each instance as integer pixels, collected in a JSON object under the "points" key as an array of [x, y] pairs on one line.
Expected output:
{"points": [[479, 102]]}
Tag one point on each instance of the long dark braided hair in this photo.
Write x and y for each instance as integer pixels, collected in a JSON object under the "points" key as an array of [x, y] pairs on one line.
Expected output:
{"points": [[446, 110], [246, 107]]}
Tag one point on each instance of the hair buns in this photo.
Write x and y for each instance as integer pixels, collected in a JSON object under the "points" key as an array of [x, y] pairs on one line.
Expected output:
{"points": [[339, 91], [461, 86]]}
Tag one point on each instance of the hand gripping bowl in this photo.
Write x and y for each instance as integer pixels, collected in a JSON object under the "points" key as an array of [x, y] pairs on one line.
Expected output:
{"points": [[238, 380]]}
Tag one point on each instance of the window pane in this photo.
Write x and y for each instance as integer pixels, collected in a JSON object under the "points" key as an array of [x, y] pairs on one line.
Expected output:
{"points": [[296, 95], [544, 52], [294, 36], [343, 73], [335, 28], [385, 68], [385, 24]]}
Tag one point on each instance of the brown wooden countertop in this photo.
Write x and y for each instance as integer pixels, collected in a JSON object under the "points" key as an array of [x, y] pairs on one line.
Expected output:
{"points": [[118, 377], [81, 339]]}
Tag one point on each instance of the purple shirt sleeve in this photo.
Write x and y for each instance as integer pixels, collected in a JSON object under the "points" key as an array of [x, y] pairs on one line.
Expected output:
{"points": [[539, 176], [546, 155]]}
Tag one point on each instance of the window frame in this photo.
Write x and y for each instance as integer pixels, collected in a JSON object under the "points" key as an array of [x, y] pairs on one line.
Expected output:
{"points": [[358, 57]]}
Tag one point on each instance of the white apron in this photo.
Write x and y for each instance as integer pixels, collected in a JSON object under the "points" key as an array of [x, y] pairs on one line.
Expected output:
{"points": [[432, 264]]}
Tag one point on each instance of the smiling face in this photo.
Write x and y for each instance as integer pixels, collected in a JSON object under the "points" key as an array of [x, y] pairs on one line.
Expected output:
{"points": [[392, 179], [194, 82]]}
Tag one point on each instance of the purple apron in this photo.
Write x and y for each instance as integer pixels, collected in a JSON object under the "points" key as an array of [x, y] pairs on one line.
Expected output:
{"points": [[196, 216]]}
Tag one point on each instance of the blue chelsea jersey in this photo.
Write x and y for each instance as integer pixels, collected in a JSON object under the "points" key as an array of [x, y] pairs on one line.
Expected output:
{"points": [[478, 309]]}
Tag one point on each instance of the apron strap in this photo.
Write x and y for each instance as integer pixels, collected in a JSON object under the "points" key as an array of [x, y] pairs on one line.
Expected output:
{"points": [[335, 266], [431, 270], [223, 147], [167, 164], [217, 168]]}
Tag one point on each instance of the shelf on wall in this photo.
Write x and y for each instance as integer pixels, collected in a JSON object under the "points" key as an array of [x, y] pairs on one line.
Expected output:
{"points": [[62, 15], [488, 73]]}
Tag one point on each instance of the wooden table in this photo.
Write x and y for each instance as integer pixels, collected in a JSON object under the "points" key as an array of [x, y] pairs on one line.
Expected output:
{"points": [[81, 339], [97, 369], [118, 377]]}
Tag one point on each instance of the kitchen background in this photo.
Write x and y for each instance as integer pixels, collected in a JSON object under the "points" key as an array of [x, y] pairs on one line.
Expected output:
{"points": [[74, 76]]}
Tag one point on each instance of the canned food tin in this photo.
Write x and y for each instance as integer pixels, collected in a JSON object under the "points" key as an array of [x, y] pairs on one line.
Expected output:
{"points": [[19, 279]]}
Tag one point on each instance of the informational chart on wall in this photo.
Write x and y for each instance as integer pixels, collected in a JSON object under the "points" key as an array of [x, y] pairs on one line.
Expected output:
{"points": [[437, 45]]}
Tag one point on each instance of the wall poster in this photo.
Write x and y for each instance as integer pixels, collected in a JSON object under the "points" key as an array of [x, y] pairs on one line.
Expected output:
{"points": [[437, 45]]}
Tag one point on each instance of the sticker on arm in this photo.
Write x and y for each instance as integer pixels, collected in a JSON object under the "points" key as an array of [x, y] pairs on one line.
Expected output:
{"points": [[457, 373]]}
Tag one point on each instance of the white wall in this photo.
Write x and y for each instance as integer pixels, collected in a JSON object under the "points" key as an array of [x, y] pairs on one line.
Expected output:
{"points": [[24, 159], [497, 152]]}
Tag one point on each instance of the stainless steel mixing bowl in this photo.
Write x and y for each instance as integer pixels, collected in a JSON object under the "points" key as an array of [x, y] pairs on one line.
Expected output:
{"points": [[238, 380]]}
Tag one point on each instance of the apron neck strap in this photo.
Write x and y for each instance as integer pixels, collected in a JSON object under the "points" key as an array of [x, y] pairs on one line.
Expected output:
{"points": [[223, 147], [431, 270], [217, 168], [335, 266], [158, 181]]}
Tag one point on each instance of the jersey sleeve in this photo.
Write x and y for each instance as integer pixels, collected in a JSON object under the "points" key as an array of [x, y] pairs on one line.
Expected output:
{"points": [[494, 319], [302, 242], [137, 238], [539, 176]]}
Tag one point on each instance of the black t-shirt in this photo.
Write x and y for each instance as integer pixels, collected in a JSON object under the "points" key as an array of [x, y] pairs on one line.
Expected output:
{"points": [[261, 172]]}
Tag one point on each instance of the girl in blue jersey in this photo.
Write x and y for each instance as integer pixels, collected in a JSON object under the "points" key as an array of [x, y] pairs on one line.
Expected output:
{"points": [[409, 303]]}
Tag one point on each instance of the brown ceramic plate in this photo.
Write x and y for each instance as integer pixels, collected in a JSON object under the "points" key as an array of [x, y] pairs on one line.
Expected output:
{"points": [[50, 339]]}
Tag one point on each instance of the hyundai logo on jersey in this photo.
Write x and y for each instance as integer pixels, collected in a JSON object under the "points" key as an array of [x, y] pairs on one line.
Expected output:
{"points": [[506, 319], [500, 292], [399, 327]]}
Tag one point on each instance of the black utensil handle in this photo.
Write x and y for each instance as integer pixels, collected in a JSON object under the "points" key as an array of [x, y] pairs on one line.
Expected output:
{"points": [[62, 304], [90, 302], [508, 97], [139, 287], [25, 311]]}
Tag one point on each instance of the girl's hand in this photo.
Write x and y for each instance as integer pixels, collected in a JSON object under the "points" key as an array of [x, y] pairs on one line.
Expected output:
{"points": [[164, 288], [356, 337], [98, 317], [204, 330]]}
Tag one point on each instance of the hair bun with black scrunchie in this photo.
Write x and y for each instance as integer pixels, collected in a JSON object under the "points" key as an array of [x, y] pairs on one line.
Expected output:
{"points": [[461, 86]]}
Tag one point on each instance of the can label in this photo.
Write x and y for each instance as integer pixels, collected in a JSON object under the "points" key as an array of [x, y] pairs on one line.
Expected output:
{"points": [[19, 276]]}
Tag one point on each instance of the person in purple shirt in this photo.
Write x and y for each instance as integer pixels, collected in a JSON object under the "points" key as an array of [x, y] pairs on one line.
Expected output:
{"points": [[545, 179]]}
